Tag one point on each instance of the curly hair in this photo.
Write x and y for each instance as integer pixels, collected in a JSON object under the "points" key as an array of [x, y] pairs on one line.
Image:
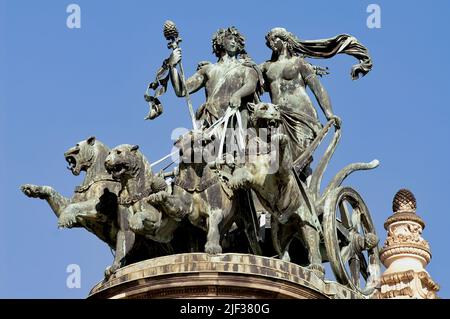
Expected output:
{"points": [[219, 37]]}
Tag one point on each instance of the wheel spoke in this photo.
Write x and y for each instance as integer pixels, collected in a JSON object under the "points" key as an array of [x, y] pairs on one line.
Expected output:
{"points": [[356, 219], [344, 231], [345, 215], [363, 266], [355, 270]]}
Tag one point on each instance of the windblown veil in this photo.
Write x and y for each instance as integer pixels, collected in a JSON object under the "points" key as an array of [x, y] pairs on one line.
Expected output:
{"points": [[343, 43]]}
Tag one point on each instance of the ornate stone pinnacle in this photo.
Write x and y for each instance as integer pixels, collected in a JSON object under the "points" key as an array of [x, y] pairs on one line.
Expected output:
{"points": [[406, 253], [404, 201]]}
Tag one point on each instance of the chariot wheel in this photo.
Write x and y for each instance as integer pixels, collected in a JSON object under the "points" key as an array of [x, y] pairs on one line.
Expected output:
{"points": [[350, 240]]}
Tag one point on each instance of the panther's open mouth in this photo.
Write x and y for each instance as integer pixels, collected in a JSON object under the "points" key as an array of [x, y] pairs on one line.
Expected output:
{"points": [[274, 131], [71, 160], [273, 124], [116, 170]]}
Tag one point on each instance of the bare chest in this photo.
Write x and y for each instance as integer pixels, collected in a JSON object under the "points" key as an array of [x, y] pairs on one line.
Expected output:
{"points": [[231, 76], [283, 72]]}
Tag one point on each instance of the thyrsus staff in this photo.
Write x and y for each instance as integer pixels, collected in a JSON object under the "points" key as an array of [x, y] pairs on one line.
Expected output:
{"points": [[159, 85]]}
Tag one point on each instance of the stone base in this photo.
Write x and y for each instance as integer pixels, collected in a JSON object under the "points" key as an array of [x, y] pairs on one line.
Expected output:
{"points": [[199, 275]]}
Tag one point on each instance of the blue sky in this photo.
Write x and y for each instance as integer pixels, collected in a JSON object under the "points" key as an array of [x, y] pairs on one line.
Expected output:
{"points": [[60, 85]]}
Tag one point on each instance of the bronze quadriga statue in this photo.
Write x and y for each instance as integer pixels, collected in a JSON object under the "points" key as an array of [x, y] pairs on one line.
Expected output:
{"points": [[208, 204]]}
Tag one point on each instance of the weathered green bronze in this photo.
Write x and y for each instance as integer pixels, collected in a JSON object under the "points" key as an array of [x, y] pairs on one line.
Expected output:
{"points": [[218, 197]]}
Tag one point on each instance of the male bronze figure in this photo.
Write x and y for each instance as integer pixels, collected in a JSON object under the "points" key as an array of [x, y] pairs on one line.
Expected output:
{"points": [[232, 81]]}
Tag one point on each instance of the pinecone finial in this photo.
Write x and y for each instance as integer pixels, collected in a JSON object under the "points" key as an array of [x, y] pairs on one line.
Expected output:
{"points": [[404, 201], [170, 30]]}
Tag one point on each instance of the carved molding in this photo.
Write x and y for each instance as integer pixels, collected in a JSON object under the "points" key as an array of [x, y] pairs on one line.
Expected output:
{"points": [[404, 217], [397, 278], [407, 292], [408, 284], [401, 250], [428, 282], [406, 234], [405, 237]]}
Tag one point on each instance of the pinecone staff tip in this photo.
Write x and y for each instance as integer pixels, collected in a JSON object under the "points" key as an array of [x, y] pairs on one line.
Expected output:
{"points": [[171, 34]]}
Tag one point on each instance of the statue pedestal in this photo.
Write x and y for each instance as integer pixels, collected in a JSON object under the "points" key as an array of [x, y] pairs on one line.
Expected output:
{"points": [[199, 275]]}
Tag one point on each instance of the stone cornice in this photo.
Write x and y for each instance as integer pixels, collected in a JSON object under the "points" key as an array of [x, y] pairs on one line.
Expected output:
{"points": [[426, 289], [398, 277], [401, 249], [407, 292], [404, 217], [428, 282]]}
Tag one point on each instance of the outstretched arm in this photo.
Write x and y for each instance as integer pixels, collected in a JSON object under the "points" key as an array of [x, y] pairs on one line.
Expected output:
{"points": [[312, 81], [193, 84]]}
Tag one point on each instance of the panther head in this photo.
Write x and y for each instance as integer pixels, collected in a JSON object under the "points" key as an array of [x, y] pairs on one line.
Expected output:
{"points": [[123, 161], [265, 115], [81, 156]]}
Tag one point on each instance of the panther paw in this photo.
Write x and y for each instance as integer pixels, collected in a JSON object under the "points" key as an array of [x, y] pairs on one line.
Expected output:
{"points": [[109, 271], [34, 191], [136, 224], [157, 198], [213, 249], [67, 220]]}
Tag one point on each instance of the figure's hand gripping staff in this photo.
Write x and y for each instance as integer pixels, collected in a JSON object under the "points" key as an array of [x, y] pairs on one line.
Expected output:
{"points": [[162, 77], [171, 34]]}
